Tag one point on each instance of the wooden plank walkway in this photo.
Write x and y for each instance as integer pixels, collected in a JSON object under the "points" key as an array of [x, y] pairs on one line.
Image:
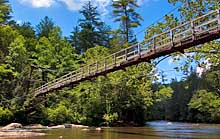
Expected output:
{"points": [[198, 31]]}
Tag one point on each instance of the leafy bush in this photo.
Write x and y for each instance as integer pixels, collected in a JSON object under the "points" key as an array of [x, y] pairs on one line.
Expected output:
{"points": [[59, 115], [5, 115]]}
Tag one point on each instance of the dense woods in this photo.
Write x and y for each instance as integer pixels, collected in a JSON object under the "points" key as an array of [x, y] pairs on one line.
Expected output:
{"points": [[33, 55]]}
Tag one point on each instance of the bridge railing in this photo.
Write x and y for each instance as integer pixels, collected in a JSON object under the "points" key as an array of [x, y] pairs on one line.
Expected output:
{"points": [[173, 37]]}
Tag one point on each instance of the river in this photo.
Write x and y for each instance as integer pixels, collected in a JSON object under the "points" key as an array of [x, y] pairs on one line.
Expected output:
{"points": [[152, 130]]}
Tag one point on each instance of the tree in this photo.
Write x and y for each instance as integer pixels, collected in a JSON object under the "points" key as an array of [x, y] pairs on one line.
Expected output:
{"points": [[207, 104], [45, 26], [7, 36], [191, 9], [124, 12], [5, 11], [17, 57], [92, 30], [74, 39]]}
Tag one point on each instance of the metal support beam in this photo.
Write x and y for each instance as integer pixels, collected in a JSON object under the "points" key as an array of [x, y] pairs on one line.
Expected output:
{"points": [[82, 72], [171, 38], [114, 59], [105, 63], [97, 66], [193, 30], [126, 54], [139, 50], [154, 44], [89, 70]]}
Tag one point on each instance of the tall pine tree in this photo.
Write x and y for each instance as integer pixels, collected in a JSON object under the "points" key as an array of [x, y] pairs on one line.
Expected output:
{"points": [[45, 26], [124, 12], [92, 30]]}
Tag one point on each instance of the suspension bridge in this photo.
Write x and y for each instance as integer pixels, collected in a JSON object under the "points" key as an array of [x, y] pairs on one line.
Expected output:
{"points": [[198, 31]]}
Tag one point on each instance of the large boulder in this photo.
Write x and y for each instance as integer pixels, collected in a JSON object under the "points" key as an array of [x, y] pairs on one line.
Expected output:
{"points": [[35, 126], [57, 127], [12, 126]]}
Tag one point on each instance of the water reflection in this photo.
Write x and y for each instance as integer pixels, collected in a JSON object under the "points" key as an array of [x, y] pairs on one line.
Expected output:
{"points": [[152, 130]]}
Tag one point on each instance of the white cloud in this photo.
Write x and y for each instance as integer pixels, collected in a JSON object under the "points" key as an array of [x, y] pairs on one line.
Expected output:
{"points": [[141, 2], [19, 22], [72, 5], [39, 3], [75, 5]]}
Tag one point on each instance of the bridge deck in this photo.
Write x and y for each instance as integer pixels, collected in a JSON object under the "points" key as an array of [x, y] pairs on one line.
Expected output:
{"points": [[198, 31]]}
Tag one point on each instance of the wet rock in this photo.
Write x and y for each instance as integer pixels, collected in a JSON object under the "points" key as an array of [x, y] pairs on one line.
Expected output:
{"points": [[68, 125], [98, 129], [85, 129], [79, 126], [12, 126], [35, 126], [57, 127]]}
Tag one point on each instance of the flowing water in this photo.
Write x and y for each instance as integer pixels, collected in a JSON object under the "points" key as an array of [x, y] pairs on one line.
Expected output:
{"points": [[152, 130]]}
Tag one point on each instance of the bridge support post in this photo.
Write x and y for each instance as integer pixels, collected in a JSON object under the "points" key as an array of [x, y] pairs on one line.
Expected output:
{"points": [[89, 70], [193, 30], [82, 72], [171, 38], [154, 44], [126, 54], [139, 50], [105, 64], [114, 60], [97, 66]]}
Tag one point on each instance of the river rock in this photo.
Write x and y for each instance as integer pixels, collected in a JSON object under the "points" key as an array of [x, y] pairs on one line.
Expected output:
{"points": [[12, 126], [68, 125], [57, 127], [85, 129], [79, 126], [98, 129], [35, 126]]}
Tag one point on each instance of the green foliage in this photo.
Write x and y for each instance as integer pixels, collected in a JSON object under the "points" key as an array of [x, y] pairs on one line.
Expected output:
{"points": [[17, 57], [5, 11], [60, 114], [124, 12], [96, 53], [5, 115], [7, 36], [195, 8], [45, 26], [92, 30], [110, 118], [206, 102], [163, 94]]}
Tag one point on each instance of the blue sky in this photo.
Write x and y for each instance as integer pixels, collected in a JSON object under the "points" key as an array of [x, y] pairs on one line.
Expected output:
{"points": [[65, 13]]}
